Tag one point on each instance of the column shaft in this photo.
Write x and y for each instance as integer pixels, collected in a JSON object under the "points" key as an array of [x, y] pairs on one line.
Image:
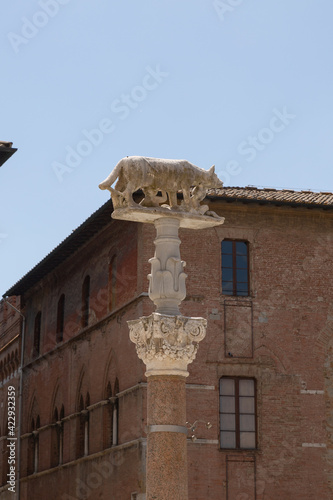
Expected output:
{"points": [[166, 451]]}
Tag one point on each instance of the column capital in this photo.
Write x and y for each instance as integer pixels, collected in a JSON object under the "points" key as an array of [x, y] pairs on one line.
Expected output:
{"points": [[165, 343]]}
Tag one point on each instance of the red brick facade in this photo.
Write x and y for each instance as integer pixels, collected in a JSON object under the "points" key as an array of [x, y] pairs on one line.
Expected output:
{"points": [[84, 398]]}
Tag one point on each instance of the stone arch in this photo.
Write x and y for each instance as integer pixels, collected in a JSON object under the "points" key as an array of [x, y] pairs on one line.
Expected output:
{"points": [[82, 419], [33, 413], [110, 373], [108, 418], [116, 387], [33, 440], [110, 410], [57, 399], [82, 387], [56, 435], [108, 391], [278, 356]]}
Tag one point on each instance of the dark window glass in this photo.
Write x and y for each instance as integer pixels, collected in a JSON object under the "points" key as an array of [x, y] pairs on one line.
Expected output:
{"points": [[235, 268], [237, 413]]}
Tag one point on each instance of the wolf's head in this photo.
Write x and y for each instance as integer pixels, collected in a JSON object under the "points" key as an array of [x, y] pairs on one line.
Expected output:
{"points": [[215, 182]]}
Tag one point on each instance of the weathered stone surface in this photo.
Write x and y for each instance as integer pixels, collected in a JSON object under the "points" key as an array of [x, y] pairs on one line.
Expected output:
{"points": [[167, 344], [156, 175], [151, 214]]}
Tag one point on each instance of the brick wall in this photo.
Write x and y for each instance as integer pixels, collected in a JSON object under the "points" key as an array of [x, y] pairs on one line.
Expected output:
{"points": [[281, 335]]}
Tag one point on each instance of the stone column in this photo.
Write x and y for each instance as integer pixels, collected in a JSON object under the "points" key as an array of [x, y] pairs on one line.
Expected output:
{"points": [[167, 342], [166, 440]]}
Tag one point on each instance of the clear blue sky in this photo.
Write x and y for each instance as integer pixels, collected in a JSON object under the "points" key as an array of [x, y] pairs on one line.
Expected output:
{"points": [[245, 85]]}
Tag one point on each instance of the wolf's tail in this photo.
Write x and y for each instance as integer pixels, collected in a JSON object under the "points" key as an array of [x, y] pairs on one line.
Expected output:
{"points": [[107, 183]]}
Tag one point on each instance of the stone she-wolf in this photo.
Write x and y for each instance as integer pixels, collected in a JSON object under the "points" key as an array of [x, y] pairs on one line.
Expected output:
{"points": [[154, 175]]}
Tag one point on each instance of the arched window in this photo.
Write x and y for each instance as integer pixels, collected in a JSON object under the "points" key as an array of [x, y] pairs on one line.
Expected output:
{"points": [[108, 419], [61, 440], [115, 413], [60, 319], [86, 427], [85, 302], [112, 283], [36, 446], [80, 430], [37, 329], [55, 440], [31, 449]]}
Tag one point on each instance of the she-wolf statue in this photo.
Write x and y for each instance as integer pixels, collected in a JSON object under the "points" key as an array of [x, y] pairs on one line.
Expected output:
{"points": [[154, 175]]}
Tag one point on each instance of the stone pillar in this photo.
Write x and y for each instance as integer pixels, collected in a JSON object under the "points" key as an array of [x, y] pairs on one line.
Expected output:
{"points": [[167, 342], [166, 440]]}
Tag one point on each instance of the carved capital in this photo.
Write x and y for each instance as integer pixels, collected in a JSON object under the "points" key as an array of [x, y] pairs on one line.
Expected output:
{"points": [[167, 344]]}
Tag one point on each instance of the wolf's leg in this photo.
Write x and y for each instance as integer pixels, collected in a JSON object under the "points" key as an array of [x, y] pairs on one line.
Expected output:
{"points": [[186, 198], [198, 194], [128, 195], [172, 198]]}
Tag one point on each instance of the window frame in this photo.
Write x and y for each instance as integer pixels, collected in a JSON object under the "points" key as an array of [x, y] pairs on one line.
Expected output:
{"points": [[234, 268], [237, 414]]}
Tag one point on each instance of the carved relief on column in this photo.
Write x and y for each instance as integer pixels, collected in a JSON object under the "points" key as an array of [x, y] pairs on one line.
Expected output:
{"points": [[167, 344], [167, 278], [168, 283]]}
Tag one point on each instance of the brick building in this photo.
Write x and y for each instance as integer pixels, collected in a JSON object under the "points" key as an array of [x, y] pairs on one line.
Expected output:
{"points": [[262, 377]]}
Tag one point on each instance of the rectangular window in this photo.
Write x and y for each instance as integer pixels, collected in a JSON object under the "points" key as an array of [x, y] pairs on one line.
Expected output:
{"points": [[237, 413], [235, 268]]}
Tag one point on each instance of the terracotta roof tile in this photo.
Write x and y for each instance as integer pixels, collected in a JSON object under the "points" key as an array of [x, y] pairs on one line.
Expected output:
{"points": [[271, 195]]}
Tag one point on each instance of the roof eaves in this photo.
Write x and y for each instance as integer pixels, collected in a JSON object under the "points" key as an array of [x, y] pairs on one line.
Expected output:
{"points": [[6, 153]]}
